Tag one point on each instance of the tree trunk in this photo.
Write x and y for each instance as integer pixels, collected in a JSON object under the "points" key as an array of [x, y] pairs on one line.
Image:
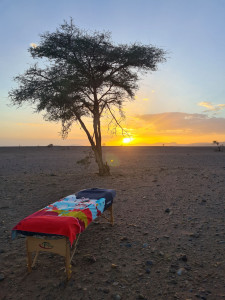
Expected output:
{"points": [[96, 147], [103, 167]]}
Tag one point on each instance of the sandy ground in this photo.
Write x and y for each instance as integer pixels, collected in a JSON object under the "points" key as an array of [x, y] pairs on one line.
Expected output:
{"points": [[168, 241]]}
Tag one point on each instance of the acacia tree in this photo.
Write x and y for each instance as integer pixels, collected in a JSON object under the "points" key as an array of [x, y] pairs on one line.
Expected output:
{"points": [[84, 76]]}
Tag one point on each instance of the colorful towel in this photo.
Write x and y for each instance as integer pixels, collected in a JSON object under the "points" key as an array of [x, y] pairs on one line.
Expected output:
{"points": [[68, 217]]}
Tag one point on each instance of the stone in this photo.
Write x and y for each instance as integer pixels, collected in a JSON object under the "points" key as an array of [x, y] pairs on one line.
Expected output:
{"points": [[166, 237], [173, 281], [183, 257], [141, 297], [149, 263], [2, 277], [116, 297], [106, 291], [123, 238], [180, 271]]}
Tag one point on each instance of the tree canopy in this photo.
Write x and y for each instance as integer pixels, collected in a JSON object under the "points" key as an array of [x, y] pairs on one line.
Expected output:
{"points": [[83, 74]]}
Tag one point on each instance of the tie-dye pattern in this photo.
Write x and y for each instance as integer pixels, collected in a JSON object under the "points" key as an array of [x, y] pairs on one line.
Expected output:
{"points": [[68, 216]]}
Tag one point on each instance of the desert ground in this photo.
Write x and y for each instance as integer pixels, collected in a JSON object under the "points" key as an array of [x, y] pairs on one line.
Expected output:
{"points": [[168, 241]]}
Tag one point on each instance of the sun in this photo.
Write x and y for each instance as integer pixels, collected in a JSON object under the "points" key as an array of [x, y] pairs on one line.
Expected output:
{"points": [[127, 140]]}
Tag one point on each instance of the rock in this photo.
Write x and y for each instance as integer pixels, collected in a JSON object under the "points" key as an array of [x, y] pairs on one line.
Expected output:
{"points": [[194, 235], [149, 263], [90, 258], [116, 297], [166, 237], [2, 277], [106, 291], [187, 267], [141, 297], [173, 281], [183, 257], [180, 271], [61, 285], [172, 271]]}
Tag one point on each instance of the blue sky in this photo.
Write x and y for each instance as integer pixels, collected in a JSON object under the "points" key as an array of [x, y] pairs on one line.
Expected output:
{"points": [[190, 82]]}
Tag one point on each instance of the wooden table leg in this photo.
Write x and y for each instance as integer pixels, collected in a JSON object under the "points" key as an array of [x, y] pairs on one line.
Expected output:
{"points": [[111, 215], [29, 256], [68, 265], [35, 259]]}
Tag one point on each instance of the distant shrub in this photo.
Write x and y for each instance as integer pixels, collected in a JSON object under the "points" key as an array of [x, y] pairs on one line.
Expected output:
{"points": [[84, 161], [50, 146], [219, 146]]}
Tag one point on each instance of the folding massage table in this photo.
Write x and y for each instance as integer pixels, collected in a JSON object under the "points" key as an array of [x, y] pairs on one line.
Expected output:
{"points": [[55, 227]]}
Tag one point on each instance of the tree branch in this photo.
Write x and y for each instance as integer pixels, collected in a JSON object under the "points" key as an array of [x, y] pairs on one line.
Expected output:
{"points": [[117, 122]]}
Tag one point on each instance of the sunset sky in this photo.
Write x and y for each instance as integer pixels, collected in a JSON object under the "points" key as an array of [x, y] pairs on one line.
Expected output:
{"points": [[182, 103]]}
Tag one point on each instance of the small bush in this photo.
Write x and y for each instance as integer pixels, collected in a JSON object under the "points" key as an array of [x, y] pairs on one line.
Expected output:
{"points": [[84, 161], [50, 146]]}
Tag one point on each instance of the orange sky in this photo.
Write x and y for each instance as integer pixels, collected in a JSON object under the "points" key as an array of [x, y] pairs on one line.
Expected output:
{"points": [[181, 103], [169, 128]]}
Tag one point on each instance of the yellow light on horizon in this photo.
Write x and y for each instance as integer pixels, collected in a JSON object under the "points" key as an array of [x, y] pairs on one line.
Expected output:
{"points": [[127, 140]]}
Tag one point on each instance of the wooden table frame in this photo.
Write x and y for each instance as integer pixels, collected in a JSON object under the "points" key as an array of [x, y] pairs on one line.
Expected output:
{"points": [[59, 246]]}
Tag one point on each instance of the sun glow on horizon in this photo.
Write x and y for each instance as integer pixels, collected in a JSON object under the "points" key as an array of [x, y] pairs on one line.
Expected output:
{"points": [[127, 140]]}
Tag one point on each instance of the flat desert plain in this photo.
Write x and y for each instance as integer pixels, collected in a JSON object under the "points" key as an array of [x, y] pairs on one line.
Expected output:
{"points": [[168, 241]]}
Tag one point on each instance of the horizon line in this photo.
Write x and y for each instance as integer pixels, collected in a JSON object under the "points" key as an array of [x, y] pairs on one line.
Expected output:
{"points": [[165, 145]]}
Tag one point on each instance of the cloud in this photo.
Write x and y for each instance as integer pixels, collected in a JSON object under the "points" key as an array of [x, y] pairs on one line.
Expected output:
{"points": [[183, 122], [212, 107], [33, 45]]}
